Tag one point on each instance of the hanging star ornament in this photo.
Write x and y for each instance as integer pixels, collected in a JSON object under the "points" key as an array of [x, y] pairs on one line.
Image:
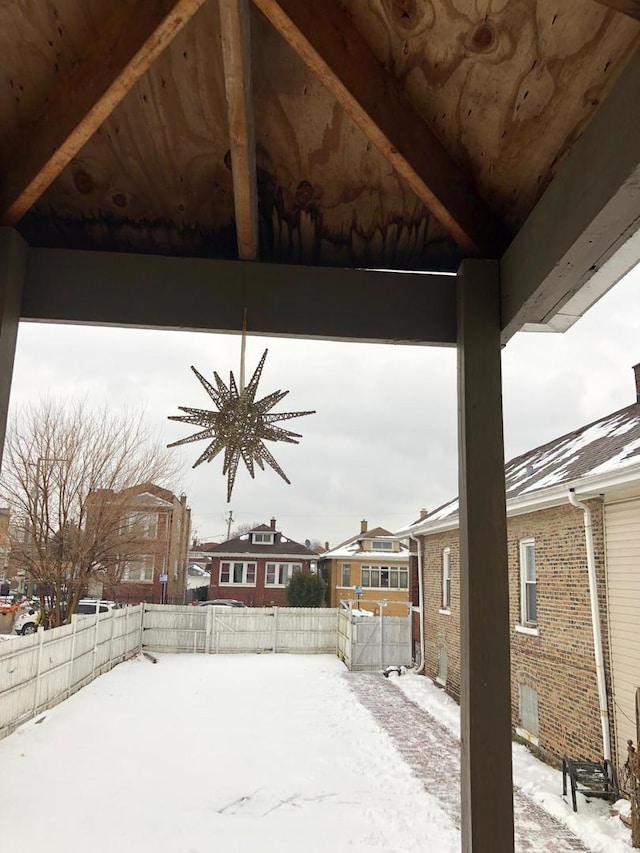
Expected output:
{"points": [[240, 426]]}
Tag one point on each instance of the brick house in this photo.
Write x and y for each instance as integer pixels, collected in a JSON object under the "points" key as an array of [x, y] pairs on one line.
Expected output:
{"points": [[556, 697], [256, 567], [373, 560], [150, 564]]}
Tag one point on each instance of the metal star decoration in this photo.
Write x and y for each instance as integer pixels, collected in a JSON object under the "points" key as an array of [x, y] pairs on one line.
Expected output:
{"points": [[240, 426]]}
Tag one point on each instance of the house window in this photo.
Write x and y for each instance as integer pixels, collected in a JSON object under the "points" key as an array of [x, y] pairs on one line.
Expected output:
{"points": [[528, 591], [140, 525], [279, 574], [237, 574], [446, 579], [138, 570], [382, 545], [262, 538], [346, 574], [528, 713], [385, 577]]}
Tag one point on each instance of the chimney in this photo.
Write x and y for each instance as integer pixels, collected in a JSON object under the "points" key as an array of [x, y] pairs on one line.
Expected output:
{"points": [[423, 513], [273, 524], [326, 546], [636, 371], [363, 525]]}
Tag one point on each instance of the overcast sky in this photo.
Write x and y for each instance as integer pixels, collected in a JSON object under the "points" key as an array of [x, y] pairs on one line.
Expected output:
{"points": [[382, 443]]}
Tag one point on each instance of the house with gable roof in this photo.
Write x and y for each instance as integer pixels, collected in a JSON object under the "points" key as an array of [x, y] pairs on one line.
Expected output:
{"points": [[256, 567], [375, 561], [573, 518]]}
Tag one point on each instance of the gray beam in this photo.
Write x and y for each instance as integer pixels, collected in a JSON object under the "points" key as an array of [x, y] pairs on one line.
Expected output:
{"points": [[13, 261], [485, 692], [589, 211], [149, 291]]}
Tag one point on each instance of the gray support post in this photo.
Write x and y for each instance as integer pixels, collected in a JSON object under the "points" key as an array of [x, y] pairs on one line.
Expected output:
{"points": [[487, 786], [13, 264]]}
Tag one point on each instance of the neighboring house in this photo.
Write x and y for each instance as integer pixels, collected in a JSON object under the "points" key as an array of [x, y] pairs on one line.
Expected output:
{"points": [[198, 553], [555, 696], [375, 561], [256, 567], [155, 527]]}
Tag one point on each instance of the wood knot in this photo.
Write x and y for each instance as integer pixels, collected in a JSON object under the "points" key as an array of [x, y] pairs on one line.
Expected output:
{"points": [[83, 182], [483, 38], [304, 194], [119, 199], [403, 13]]}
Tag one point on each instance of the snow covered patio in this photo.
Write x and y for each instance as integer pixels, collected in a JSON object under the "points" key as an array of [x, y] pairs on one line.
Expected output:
{"points": [[262, 753]]}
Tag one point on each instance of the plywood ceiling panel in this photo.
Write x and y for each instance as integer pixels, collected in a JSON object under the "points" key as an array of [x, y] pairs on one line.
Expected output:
{"points": [[507, 85]]}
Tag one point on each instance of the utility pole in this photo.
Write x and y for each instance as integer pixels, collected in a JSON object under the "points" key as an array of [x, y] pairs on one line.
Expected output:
{"points": [[229, 520]]}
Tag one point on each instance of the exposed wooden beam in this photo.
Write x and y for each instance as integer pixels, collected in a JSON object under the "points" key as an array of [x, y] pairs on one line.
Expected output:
{"points": [[235, 26], [325, 38], [628, 7], [132, 38], [13, 262], [485, 687], [582, 236], [154, 292]]}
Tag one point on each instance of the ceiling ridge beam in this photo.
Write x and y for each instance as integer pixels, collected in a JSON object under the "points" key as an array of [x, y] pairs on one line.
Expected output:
{"points": [[327, 41], [235, 26], [131, 40]]}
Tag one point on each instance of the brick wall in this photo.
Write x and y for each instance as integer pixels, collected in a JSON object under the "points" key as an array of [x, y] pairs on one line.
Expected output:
{"points": [[558, 663]]}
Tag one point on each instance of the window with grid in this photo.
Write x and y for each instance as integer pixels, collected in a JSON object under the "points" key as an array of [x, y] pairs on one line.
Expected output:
{"points": [[528, 583], [140, 525], [279, 574], [446, 579], [237, 574], [346, 574], [529, 710], [385, 577], [382, 545]]}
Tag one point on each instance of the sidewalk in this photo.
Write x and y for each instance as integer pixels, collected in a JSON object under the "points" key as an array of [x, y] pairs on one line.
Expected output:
{"points": [[433, 753]]}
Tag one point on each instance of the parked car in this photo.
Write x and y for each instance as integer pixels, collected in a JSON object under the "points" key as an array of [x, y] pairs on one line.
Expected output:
{"points": [[27, 620], [223, 602], [88, 606]]}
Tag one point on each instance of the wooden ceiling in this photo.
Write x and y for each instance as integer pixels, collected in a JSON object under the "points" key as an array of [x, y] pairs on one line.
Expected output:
{"points": [[396, 134]]}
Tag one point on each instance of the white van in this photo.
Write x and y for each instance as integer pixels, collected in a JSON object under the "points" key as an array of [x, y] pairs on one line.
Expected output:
{"points": [[90, 606]]}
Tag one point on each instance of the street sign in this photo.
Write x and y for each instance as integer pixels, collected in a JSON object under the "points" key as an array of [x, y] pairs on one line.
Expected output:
{"points": [[164, 578], [358, 590]]}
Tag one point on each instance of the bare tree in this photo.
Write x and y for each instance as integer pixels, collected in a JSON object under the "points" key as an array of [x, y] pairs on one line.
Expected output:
{"points": [[67, 475]]}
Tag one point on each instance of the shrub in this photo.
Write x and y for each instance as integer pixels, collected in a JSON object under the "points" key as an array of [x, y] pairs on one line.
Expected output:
{"points": [[306, 590]]}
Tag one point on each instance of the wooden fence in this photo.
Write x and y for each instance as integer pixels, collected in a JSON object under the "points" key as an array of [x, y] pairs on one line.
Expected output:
{"points": [[217, 630], [40, 670]]}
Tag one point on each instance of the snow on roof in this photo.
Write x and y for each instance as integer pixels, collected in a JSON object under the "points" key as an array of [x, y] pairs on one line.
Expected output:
{"points": [[607, 445], [353, 547]]}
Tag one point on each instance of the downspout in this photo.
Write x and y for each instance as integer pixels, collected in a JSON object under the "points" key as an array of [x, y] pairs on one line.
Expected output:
{"points": [[420, 669], [595, 621]]}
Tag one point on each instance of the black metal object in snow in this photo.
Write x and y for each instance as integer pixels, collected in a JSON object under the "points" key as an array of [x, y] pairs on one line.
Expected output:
{"points": [[591, 778]]}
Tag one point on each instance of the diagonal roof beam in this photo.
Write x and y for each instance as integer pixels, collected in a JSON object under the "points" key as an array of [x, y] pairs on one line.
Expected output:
{"points": [[325, 38], [236, 51], [627, 7], [131, 40]]}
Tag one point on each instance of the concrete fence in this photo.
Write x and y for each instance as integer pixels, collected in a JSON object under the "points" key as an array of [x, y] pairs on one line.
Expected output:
{"points": [[40, 670]]}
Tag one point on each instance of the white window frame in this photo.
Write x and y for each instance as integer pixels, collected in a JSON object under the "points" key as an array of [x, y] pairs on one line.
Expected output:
{"points": [[403, 574], [262, 537], [382, 545], [139, 569], [446, 580], [283, 572], [246, 571], [527, 546], [143, 524]]}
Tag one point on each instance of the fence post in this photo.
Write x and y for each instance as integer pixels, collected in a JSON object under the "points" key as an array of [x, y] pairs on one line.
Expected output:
{"points": [[38, 671], [126, 632], [112, 616], [275, 629], [207, 634], [95, 642], [74, 622], [142, 612]]}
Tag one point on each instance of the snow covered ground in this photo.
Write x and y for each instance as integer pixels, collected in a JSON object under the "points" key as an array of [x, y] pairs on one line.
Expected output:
{"points": [[257, 753]]}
